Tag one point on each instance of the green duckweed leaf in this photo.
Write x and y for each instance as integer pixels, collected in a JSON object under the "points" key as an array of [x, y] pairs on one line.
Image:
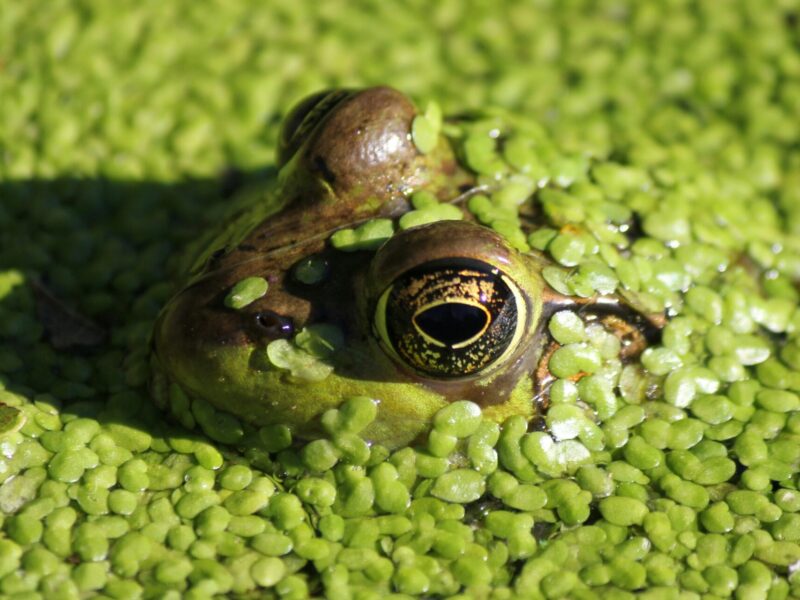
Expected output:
{"points": [[299, 363], [246, 292], [368, 236]]}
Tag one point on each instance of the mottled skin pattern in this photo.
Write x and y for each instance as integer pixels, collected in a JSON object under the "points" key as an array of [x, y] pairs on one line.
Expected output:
{"points": [[345, 157]]}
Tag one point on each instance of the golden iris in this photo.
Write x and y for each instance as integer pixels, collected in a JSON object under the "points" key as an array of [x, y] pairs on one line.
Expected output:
{"points": [[451, 318]]}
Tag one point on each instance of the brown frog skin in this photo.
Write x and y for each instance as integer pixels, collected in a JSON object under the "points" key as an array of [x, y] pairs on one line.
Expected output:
{"points": [[347, 156]]}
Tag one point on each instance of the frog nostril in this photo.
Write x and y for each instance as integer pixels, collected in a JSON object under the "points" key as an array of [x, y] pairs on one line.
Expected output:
{"points": [[275, 325], [327, 174]]}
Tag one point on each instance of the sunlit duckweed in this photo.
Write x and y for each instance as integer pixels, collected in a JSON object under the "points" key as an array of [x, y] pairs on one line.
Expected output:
{"points": [[655, 149]]}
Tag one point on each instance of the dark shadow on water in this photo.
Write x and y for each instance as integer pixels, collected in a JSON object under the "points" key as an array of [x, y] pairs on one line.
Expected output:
{"points": [[108, 251]]}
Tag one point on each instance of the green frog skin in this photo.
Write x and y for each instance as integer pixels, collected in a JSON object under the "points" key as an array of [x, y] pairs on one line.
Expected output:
{"points": [[440, 312]]}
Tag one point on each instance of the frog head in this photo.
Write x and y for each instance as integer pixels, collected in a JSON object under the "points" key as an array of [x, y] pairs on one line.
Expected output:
{"points": [[440, 312]]}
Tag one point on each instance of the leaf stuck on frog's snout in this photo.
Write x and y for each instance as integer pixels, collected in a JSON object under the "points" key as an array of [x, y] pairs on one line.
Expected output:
{"points": [[430, 214], [298, 362], [311, 270], [304, 356], [246, 292]]}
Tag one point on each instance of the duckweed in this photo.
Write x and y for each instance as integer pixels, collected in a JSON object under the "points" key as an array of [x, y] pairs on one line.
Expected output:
{"points": [[310, 270], [566, 327], [300, 363], [246, 292], [367, 236], [430, 214], [425, 128], [573, 359], [645, 150]]}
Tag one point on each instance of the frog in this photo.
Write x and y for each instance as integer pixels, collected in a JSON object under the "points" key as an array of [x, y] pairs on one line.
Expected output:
{"points": [[439, 312]]}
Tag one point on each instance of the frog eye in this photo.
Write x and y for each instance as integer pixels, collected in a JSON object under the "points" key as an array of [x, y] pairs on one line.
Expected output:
{"points": [[451, 318], [303, 118]]}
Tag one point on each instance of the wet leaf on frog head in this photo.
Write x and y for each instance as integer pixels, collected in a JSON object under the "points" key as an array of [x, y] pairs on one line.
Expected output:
{"points": [[320, 340], [311, 270], [304, 356], [302, 365], [367, 236], [503, 219], [430, 214]]}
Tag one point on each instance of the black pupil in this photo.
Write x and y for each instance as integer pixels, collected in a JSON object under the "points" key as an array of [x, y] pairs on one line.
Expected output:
{"points": [[451, 317], [452, 322]]}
